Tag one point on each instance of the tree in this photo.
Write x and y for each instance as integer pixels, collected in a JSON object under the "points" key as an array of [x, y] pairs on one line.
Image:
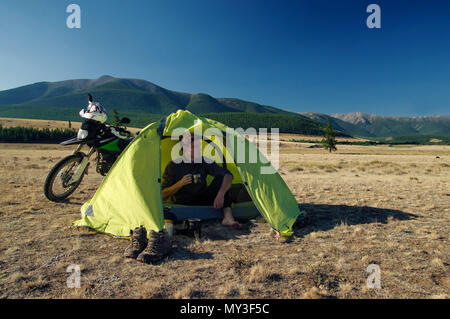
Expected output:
{"points": [[329, 141], [116, 118]]}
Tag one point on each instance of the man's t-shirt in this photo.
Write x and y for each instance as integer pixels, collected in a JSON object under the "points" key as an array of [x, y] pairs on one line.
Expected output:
{"points": [[174, 172]]}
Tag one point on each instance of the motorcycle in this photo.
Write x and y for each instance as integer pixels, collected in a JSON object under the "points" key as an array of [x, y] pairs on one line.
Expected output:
{"points": [[106, 141]]}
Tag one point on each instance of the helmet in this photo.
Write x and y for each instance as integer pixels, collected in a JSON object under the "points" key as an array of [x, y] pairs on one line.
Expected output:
{"points": [[95, 112]]}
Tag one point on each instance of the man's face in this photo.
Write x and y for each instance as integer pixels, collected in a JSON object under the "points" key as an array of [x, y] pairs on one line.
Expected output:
{"points": [[191, 146]]}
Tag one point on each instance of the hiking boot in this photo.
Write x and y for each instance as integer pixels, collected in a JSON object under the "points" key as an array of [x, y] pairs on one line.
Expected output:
{"points": [[159, 245], [139, 241]]}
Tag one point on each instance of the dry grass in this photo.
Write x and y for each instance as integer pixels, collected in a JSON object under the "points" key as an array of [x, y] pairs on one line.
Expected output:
{"points": [[370, 205], [40, 124]]}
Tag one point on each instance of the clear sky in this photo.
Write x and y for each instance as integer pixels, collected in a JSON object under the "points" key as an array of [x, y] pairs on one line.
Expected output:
{"points": [[316, 56]]}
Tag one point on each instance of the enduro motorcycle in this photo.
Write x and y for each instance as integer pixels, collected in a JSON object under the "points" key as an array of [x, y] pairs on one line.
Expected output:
{"points": [[106, 141]]}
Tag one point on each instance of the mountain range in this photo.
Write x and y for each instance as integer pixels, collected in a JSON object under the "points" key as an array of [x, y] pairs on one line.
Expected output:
{"points": [[376, 126], [144, 101], [124, 94]]}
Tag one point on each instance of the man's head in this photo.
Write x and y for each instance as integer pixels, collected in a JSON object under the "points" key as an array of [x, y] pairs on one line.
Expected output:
{"points": [[192, 145]]}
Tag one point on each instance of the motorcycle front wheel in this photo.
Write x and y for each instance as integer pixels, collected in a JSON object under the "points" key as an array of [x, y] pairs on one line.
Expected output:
{"points": [[57, 186]]}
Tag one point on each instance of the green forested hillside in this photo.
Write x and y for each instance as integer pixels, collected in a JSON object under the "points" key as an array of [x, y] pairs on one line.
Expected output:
{"points": [[130, 95], [27, 134], [285, 123]]}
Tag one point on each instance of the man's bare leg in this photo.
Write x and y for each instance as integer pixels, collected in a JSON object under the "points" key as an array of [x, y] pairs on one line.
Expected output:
{"points": [[228, 219]]}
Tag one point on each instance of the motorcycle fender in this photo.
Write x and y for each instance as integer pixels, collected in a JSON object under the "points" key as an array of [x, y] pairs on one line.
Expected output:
{"points": [[80, 170]]}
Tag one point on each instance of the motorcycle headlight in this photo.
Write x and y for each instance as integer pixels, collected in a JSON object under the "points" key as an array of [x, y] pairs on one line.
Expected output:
{"points": [[82, 134]]}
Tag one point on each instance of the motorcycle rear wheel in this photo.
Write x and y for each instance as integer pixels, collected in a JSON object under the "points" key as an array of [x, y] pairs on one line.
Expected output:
{"points": [[60, 176]]}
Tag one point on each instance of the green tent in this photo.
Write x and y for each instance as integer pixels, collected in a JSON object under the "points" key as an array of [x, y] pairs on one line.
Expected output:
{"points": [[130, 195]]}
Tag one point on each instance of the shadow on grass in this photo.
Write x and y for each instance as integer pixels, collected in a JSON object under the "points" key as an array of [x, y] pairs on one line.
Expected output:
{"points": [[70, 201], [180, 252], [326, 217], [214, 230]]}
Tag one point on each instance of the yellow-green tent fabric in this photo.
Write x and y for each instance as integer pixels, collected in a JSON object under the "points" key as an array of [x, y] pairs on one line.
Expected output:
{"points": [[130, 195]]}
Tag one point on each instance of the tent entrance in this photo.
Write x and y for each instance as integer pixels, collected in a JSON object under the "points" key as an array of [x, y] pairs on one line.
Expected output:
{"points": [[243, 206], [167, 145]]}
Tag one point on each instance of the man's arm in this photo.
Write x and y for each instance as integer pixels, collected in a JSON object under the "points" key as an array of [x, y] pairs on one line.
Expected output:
{"points": [[215, 170], [226, 184], [172, 190]]}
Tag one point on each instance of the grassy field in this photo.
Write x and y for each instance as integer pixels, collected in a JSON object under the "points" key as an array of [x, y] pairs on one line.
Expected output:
{"points": [[41, 124], [369, 205]]}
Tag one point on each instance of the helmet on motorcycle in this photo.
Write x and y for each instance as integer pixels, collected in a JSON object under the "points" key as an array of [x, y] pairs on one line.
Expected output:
{"points": [[95, 112]]}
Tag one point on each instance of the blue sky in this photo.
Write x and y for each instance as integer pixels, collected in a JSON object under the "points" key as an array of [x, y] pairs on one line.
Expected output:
{"points": [[316, 56]]}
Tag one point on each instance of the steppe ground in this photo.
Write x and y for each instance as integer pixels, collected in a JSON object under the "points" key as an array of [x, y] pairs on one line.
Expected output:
{"points": [[381, 205], [41, 124]]}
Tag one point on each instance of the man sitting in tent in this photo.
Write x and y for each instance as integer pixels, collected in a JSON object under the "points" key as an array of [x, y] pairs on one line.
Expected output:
{"points": [[184, 181]]}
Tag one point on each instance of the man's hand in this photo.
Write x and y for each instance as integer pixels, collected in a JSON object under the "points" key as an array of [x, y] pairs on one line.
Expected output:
{"points": [[186, 180], [172, 190], [218, 201]]}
